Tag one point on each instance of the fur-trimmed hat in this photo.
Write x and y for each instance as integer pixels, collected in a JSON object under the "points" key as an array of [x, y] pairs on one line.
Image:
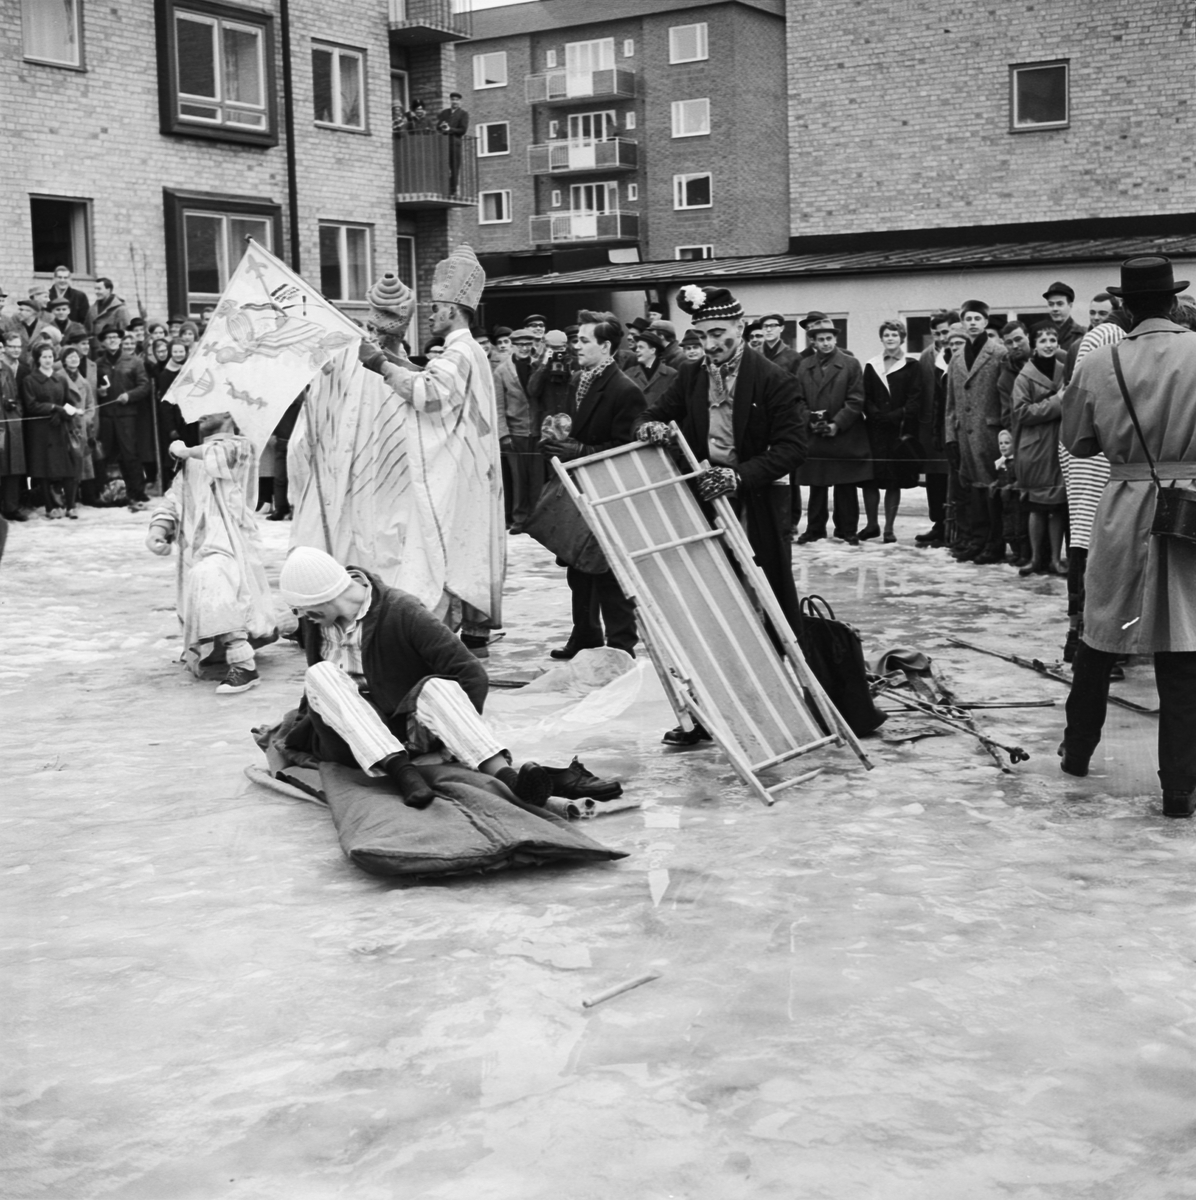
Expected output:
{"points": [[709, 304], [459, 279], [973, 306]]}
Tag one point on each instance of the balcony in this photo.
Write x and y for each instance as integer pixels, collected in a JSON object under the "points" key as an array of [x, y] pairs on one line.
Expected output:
{"points": [[566, 87], [433, 170], [553, 228], [576, 157], [426, 22]]}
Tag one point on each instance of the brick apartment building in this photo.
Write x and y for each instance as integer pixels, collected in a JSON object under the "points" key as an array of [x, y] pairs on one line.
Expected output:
{"points": [[625, 132], [144, 142], [939, 151]]}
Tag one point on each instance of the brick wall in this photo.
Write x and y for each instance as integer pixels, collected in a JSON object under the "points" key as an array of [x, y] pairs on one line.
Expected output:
{"points": [[900, 113], [94, 135]]}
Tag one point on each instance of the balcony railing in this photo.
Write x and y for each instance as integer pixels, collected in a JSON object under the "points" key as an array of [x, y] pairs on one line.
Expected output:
{"points": [[585, 227], [573, 157], [435, 170], [415, 22], [563, 86]]}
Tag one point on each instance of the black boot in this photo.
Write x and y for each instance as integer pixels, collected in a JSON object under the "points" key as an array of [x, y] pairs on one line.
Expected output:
{"points": [[413, 791], [530, 783]]}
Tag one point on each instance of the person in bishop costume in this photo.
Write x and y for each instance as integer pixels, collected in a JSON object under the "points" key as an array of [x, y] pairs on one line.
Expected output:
{"points": [[455, 459], [224, 601]]}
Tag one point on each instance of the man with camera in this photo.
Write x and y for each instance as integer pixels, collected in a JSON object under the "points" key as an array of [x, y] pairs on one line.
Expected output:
{"points": [[548, 387], [1131, 401]]}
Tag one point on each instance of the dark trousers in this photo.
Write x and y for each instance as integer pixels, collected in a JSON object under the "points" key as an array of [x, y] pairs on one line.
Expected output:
{"points": [[10, 494], [598, 602], [282, 502], [847, 510], [525, 467], [769, 527], [59, 493], [936, 497], [985, 520], [1077, 563], [119, 439], [1175, 678], [959, 500]]}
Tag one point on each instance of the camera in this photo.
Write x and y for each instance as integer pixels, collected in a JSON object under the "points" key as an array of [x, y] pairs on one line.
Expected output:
{"points": [[558, 366]]}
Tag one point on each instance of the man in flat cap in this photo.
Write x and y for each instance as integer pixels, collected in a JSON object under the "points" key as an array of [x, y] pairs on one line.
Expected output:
{"points": [[1140, 586], [1060, 297], [743, 414]]}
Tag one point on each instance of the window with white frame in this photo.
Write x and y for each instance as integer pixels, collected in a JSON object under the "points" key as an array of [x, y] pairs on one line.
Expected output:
{"points": [[490, 70], [694, 253], [407, 272], [494, 208], [494, 138], [556, 198], [633, 191], [688, 43], [592, 126], [399, 99], [692, 191], [1039, 96], [691, 118], [219, 64], [550, 59], [594, 197], [344, 261], [338, 86], [52, 31], [629, 47], [629, 121], [213, 243], [61, 234], [598, 55]]}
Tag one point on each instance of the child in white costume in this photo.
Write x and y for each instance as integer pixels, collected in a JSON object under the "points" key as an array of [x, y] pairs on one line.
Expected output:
{"points": [[224, 598]]}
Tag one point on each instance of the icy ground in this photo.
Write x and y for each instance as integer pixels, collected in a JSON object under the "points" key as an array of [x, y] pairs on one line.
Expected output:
{"points": [[928, 981]]}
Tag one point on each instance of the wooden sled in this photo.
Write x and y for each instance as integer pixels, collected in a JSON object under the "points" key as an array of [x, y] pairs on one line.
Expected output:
{"points": [[701, 622]]}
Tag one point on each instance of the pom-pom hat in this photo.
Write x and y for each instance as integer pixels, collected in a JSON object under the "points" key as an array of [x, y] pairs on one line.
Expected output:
{"points": [[459, 279], [709, 304], [310, 577]]}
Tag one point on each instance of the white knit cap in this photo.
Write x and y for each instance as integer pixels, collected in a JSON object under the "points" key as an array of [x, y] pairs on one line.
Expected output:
{"points": [[310, 577]]}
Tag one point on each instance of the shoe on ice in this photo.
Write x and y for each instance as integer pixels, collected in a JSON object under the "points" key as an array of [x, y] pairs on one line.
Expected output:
{"points": [[238, 679], [574, 782], [530, 783], [680, 736]]}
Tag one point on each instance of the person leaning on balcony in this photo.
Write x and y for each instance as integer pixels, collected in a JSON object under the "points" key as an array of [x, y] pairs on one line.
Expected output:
{"points": [[419, 120], [454, 122]]}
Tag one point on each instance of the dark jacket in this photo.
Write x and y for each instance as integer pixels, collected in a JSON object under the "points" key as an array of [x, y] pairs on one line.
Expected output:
{"points": [[607, 415], [768, 420], [457, 121], [47, 427], [12, 453], [893, 407], [112, 315], [783, 357], [836, 390], [659, 383], [402, 646], [1070, 334], [549, 391], [125, 374], [673, 355], [934, 401], [80, 305]]}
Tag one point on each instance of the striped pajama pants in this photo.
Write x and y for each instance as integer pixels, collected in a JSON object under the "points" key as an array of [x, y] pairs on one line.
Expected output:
{"points": [[442, 707]]}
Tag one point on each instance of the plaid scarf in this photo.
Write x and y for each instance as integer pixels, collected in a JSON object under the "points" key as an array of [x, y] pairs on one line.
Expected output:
{"points": [[588, 375], [719, 388]]}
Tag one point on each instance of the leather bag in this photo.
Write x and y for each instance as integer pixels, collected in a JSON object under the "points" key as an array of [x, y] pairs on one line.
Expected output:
{"points": [[558, 525], [834, 653]]}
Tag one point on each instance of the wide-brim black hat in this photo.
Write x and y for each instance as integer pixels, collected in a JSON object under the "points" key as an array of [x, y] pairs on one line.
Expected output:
{"points": [[1149, 273]]}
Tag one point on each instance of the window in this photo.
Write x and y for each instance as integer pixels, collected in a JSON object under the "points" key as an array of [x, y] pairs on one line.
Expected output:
{"points": [[344, 261], [554, 130], [1038, 96], [205, 239], [629, 122], [633, 191], [687, 43], [582, 59], [594, 197], [53, 31], [61, 234], [493, 139], [406, 271], [490, 70], [556, 198], [550, 59], [218, 63], [494, 208], [691, 118], [628, 47], [592, 126], [338, 86], [691, 191], [399, 100], [694, 253]]}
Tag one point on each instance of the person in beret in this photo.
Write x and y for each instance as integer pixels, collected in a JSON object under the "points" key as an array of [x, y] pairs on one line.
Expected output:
{"points": [[1140, 590], [1060, 297], [744, 415]]}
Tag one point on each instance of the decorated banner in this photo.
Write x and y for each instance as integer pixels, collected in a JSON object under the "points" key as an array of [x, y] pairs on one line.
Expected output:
{"points": [[269, 336]]}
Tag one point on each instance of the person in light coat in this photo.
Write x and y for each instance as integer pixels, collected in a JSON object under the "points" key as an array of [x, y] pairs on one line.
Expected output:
{"points": [[1140, 593]]}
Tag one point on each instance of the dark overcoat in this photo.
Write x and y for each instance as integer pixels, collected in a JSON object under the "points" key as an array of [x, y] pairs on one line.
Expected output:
{"points": [[836, 391], [12, 453], [48, 453], [893, 407]]}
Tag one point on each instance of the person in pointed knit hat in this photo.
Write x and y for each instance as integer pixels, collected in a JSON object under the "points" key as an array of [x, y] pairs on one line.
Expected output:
{"points": [[453, 397]]}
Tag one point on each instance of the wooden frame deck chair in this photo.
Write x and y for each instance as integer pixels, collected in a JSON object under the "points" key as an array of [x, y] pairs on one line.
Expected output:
{"points": [[701, 617]]}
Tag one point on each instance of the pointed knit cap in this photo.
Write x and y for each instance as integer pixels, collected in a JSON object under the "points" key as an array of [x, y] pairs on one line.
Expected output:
{"points": [[309, 577], [459, 279]]}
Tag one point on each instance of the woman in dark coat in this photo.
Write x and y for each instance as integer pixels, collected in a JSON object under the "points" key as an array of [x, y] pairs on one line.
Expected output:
{"points": [[892, 406], [48, 453], [171, 425]]}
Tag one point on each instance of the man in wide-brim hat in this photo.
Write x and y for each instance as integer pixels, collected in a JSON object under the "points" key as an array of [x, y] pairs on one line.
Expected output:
{"points": [[1140, 589]]}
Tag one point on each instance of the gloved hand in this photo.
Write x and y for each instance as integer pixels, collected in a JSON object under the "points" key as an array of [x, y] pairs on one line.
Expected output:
{"points": [[371, 356], [655, 433], [715, 482], [566, 449], [505, 443]]}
